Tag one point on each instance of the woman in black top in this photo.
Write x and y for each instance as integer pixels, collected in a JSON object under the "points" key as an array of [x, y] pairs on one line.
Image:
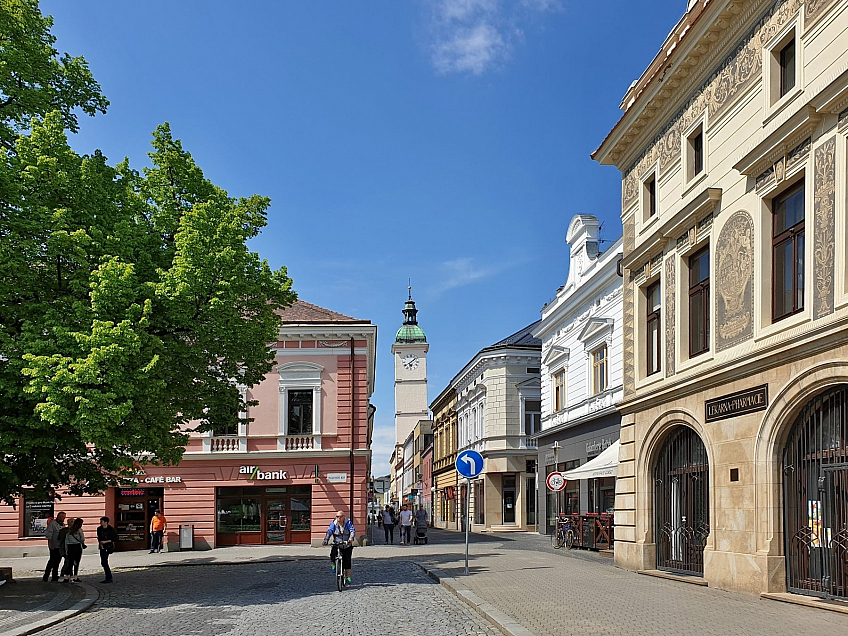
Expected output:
{"points": [[106, 539]]}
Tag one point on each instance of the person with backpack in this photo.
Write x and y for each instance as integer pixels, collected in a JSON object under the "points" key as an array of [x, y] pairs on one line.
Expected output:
{"points": [[74, 545], [107, 537]]}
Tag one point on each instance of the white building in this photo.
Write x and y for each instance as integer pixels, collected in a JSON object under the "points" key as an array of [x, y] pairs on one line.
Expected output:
{"points": [[581, 372], [496, 391]]}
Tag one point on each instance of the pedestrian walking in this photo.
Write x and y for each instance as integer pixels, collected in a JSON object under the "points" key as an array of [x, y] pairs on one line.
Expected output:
{"points": [[107, 537], [388, 525], [74, 545], [53, 529], [158, 525], [405, 525], [421, 517]]}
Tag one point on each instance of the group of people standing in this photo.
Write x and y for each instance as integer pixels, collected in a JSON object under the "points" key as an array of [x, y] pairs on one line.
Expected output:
{"points": [[389, 519], [68, 541]]}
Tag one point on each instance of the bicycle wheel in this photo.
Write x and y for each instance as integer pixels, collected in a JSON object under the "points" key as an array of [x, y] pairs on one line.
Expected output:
{"points": [[339, 575], [557, 539], [570, 538]]}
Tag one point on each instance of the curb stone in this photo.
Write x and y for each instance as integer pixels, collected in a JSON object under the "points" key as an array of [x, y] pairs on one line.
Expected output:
{"points": [[91, 595], [505, 623]]}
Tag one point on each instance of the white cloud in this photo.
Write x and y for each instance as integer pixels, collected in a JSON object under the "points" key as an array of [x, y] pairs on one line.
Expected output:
{"points": [[475, 36], [461, 272]]}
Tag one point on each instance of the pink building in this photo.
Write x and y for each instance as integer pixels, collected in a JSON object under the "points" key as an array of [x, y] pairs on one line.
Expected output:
{"points": [[276, 480]]}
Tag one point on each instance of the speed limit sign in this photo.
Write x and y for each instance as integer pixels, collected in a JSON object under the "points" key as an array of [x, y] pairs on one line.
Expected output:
{"points": [[556, 481]]}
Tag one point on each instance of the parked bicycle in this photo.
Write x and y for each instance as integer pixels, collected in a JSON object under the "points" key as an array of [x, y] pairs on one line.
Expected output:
{"points": [[564, 535]]}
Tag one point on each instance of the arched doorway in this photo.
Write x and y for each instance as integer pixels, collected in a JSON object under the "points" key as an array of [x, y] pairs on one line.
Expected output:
{"points": [[682, 499], [815, 495]]}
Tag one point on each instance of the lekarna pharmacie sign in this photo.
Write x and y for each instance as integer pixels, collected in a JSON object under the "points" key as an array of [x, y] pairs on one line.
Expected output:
{"points": [[255, 473]]}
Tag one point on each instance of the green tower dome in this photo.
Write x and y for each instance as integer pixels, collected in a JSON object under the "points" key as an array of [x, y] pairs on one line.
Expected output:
{"points": [[410, 332]]}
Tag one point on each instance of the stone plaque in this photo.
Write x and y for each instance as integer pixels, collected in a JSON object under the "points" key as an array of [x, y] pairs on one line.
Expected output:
{"points": [[739, 403], [734, 272], [823, 228]]}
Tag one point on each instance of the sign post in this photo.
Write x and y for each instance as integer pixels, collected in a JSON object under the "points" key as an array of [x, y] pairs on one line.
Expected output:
{"points": [[469, 464]]}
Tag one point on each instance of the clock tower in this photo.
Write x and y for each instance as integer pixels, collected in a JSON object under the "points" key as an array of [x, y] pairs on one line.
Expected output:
{"points": [[410, 353]]}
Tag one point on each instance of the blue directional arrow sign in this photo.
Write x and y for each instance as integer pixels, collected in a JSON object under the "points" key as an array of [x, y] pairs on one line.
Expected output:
{"points": [[469, 463]]}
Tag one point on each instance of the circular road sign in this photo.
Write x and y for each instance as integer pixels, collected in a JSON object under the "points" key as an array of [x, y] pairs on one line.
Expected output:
{"points": [[469, 463], [556, 481]]}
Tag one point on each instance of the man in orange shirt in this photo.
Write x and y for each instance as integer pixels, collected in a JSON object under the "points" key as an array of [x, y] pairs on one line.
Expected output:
{"points": [[157, 529]]}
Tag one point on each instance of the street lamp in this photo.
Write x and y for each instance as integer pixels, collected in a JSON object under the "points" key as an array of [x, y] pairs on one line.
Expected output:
{"points": [[556, 448]]}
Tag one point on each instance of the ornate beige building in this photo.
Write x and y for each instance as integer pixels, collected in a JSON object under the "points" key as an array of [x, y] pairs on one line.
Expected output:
{"points": [[734, 441]]}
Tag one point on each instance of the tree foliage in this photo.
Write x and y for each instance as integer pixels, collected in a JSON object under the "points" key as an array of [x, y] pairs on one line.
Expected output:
{"points": [[130, 304]]}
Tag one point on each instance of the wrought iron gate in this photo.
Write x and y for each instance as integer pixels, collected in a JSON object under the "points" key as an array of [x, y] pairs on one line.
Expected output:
{"points": [[682, 503], [815, 494]]}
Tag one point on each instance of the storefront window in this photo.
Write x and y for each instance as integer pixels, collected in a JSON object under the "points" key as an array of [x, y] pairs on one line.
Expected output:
{"points": [[239, 515], [36, 514], [301, 508], [530, 499]]}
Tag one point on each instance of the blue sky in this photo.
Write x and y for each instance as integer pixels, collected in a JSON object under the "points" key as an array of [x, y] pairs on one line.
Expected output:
{"points": [[446, 141]]}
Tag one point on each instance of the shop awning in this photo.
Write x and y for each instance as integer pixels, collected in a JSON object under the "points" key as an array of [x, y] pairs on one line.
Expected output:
{"points": [[604, 465]]}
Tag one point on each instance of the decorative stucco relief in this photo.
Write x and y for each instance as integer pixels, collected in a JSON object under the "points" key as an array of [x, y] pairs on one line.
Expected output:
{"points": [[739, 71], [775, 173], [843, 120], [669, 316], [815, 10], [627, 335], [629, 234], [823, 230], [735, 281]]}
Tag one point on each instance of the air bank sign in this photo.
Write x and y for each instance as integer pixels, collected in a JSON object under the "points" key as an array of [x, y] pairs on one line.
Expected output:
{"points": [[255, 473]]}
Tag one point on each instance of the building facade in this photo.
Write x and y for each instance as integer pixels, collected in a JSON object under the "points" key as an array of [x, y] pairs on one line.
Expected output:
{"points": [[734, 440], [581, 375], [445, 477], [492, 394], [275, 480]]}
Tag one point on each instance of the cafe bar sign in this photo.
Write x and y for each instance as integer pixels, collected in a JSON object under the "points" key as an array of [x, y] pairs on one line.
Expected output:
{"points": [[739, 403]]}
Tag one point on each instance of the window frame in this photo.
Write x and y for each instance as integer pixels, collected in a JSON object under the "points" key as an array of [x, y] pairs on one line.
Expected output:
{"points": [[600, 369], [696, 164], [797, 234], [289, 394], [559, 390], [700, 289], [783, 89], [653, 316]]}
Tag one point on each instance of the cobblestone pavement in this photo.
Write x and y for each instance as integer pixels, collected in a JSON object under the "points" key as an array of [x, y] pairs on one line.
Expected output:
{"points": [[27, 602], [293, 597]]}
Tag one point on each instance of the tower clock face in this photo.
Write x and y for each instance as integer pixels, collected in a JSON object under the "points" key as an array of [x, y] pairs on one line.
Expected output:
{"points": [[410, 362]]}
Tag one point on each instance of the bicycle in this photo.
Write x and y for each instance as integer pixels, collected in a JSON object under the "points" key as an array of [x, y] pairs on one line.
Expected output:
{"points": [[564, 535], [341, 582]]}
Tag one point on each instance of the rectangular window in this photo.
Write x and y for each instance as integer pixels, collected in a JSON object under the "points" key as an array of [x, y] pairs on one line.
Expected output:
{"points": [[530, 500], [699, 302], [599, 370], [787, 67], [695, 153], [652, 344], [300, 412], [532, 417], [788, 253], [651, 196], [36, 515], [559, 391]]}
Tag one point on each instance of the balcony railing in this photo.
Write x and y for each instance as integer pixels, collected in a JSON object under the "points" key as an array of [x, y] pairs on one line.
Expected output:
{"points": [[300, 442], [227, 444]]}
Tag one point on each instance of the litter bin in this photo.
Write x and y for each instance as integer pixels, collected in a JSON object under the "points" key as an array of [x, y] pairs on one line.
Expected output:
{"points": [[187, 536]]}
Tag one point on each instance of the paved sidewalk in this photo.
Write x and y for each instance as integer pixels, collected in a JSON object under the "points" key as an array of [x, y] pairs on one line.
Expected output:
{"points": [[518, 581], [30, 605]]}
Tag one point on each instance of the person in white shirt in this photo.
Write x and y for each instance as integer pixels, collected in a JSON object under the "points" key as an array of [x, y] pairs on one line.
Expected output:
{"points": [[388, 525], [405, 525]]}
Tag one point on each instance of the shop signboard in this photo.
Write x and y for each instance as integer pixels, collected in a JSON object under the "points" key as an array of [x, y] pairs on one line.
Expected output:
{"points": [[36, 514], [255, 473]]}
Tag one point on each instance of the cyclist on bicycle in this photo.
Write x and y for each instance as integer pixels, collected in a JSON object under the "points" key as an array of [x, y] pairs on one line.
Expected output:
{"points": [[343, 533]]}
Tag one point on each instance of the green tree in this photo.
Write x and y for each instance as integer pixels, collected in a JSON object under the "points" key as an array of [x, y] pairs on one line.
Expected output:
{"points": [[130, 304]]}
